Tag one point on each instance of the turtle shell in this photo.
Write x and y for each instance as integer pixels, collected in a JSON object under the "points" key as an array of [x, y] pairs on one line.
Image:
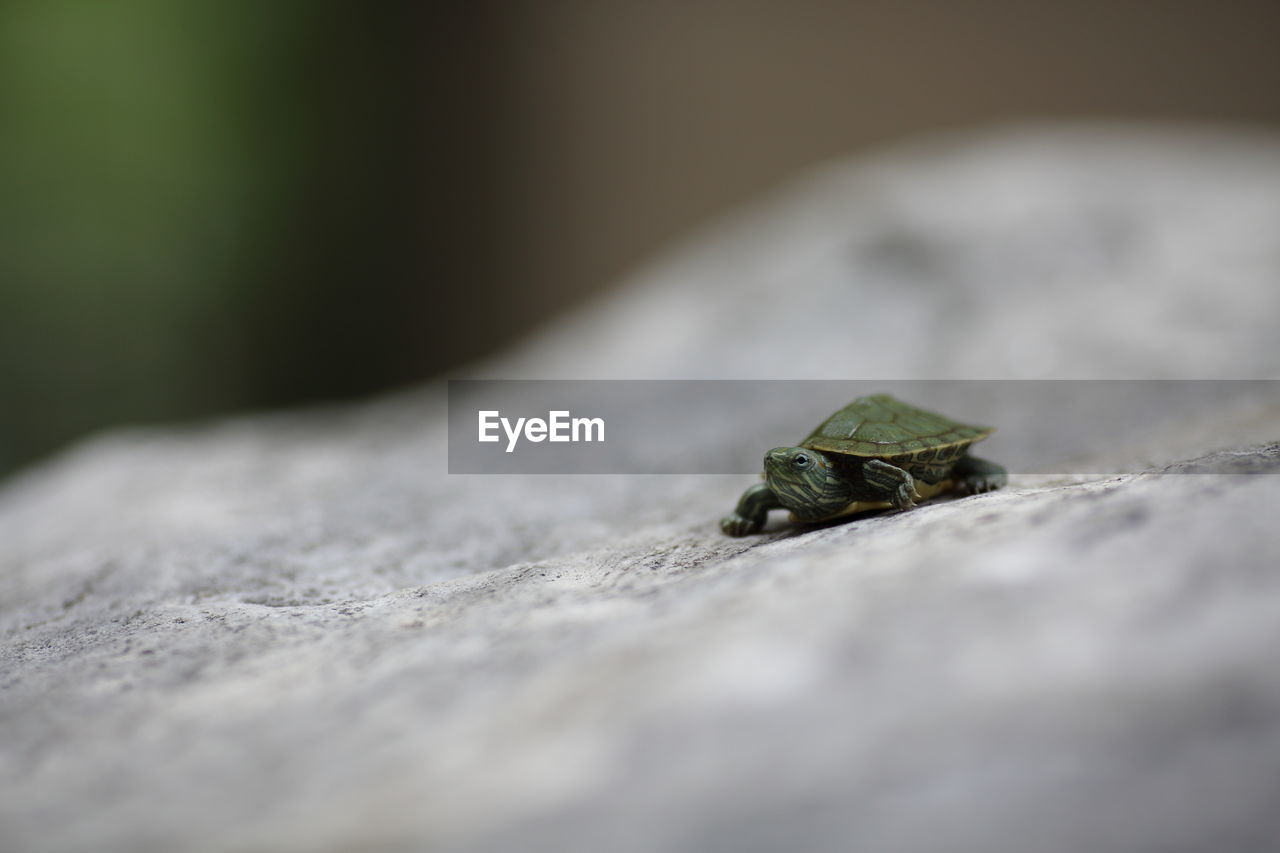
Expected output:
{"points": [[883, 427]]}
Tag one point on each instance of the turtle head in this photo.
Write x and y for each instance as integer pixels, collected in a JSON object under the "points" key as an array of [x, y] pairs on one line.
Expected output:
{"points": [[806, 483]]}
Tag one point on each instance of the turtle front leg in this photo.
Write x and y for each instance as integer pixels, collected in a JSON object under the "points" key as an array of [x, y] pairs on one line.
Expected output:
{"points": [[974, 476], [753, 508], [897, 485]]}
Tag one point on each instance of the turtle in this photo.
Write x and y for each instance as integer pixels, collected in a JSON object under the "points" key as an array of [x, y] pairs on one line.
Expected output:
{"points": [[876, 453]]}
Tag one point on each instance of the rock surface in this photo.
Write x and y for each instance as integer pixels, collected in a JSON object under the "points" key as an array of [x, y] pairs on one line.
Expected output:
{"points": [[297, 632]]}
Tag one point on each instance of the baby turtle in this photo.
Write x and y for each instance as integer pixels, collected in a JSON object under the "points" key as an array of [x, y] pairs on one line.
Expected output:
{"points": [[875, 453]]}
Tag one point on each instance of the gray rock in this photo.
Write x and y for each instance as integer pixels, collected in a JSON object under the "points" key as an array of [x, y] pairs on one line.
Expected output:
{"points": [[297, 632]]}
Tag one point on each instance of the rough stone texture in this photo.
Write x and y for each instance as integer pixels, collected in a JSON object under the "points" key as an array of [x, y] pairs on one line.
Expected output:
{"points": [[296, 632]]}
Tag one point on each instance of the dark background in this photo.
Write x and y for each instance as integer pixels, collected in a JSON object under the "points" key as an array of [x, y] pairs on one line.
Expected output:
{"points": [[212, 206]]}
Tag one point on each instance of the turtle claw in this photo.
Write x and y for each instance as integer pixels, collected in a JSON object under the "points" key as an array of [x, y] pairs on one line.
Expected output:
{"points": [[981, 485], [750, 513], [895, 485], [978, 476], [738, 525]]}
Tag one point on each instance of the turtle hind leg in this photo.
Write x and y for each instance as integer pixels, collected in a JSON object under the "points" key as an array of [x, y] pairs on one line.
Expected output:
{"points": [[753, 507], [974, 476], [896, 486]]}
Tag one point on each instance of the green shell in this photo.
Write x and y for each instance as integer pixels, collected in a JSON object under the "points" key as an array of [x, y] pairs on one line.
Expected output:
{"points": [[882, 427]]}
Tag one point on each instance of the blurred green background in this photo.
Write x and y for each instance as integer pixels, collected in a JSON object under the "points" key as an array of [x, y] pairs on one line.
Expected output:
{"points": [[203, 207], [214, 206]]}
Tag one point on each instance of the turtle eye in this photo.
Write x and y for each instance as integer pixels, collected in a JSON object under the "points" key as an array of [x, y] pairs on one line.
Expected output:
{"points": [[802, 461]]}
